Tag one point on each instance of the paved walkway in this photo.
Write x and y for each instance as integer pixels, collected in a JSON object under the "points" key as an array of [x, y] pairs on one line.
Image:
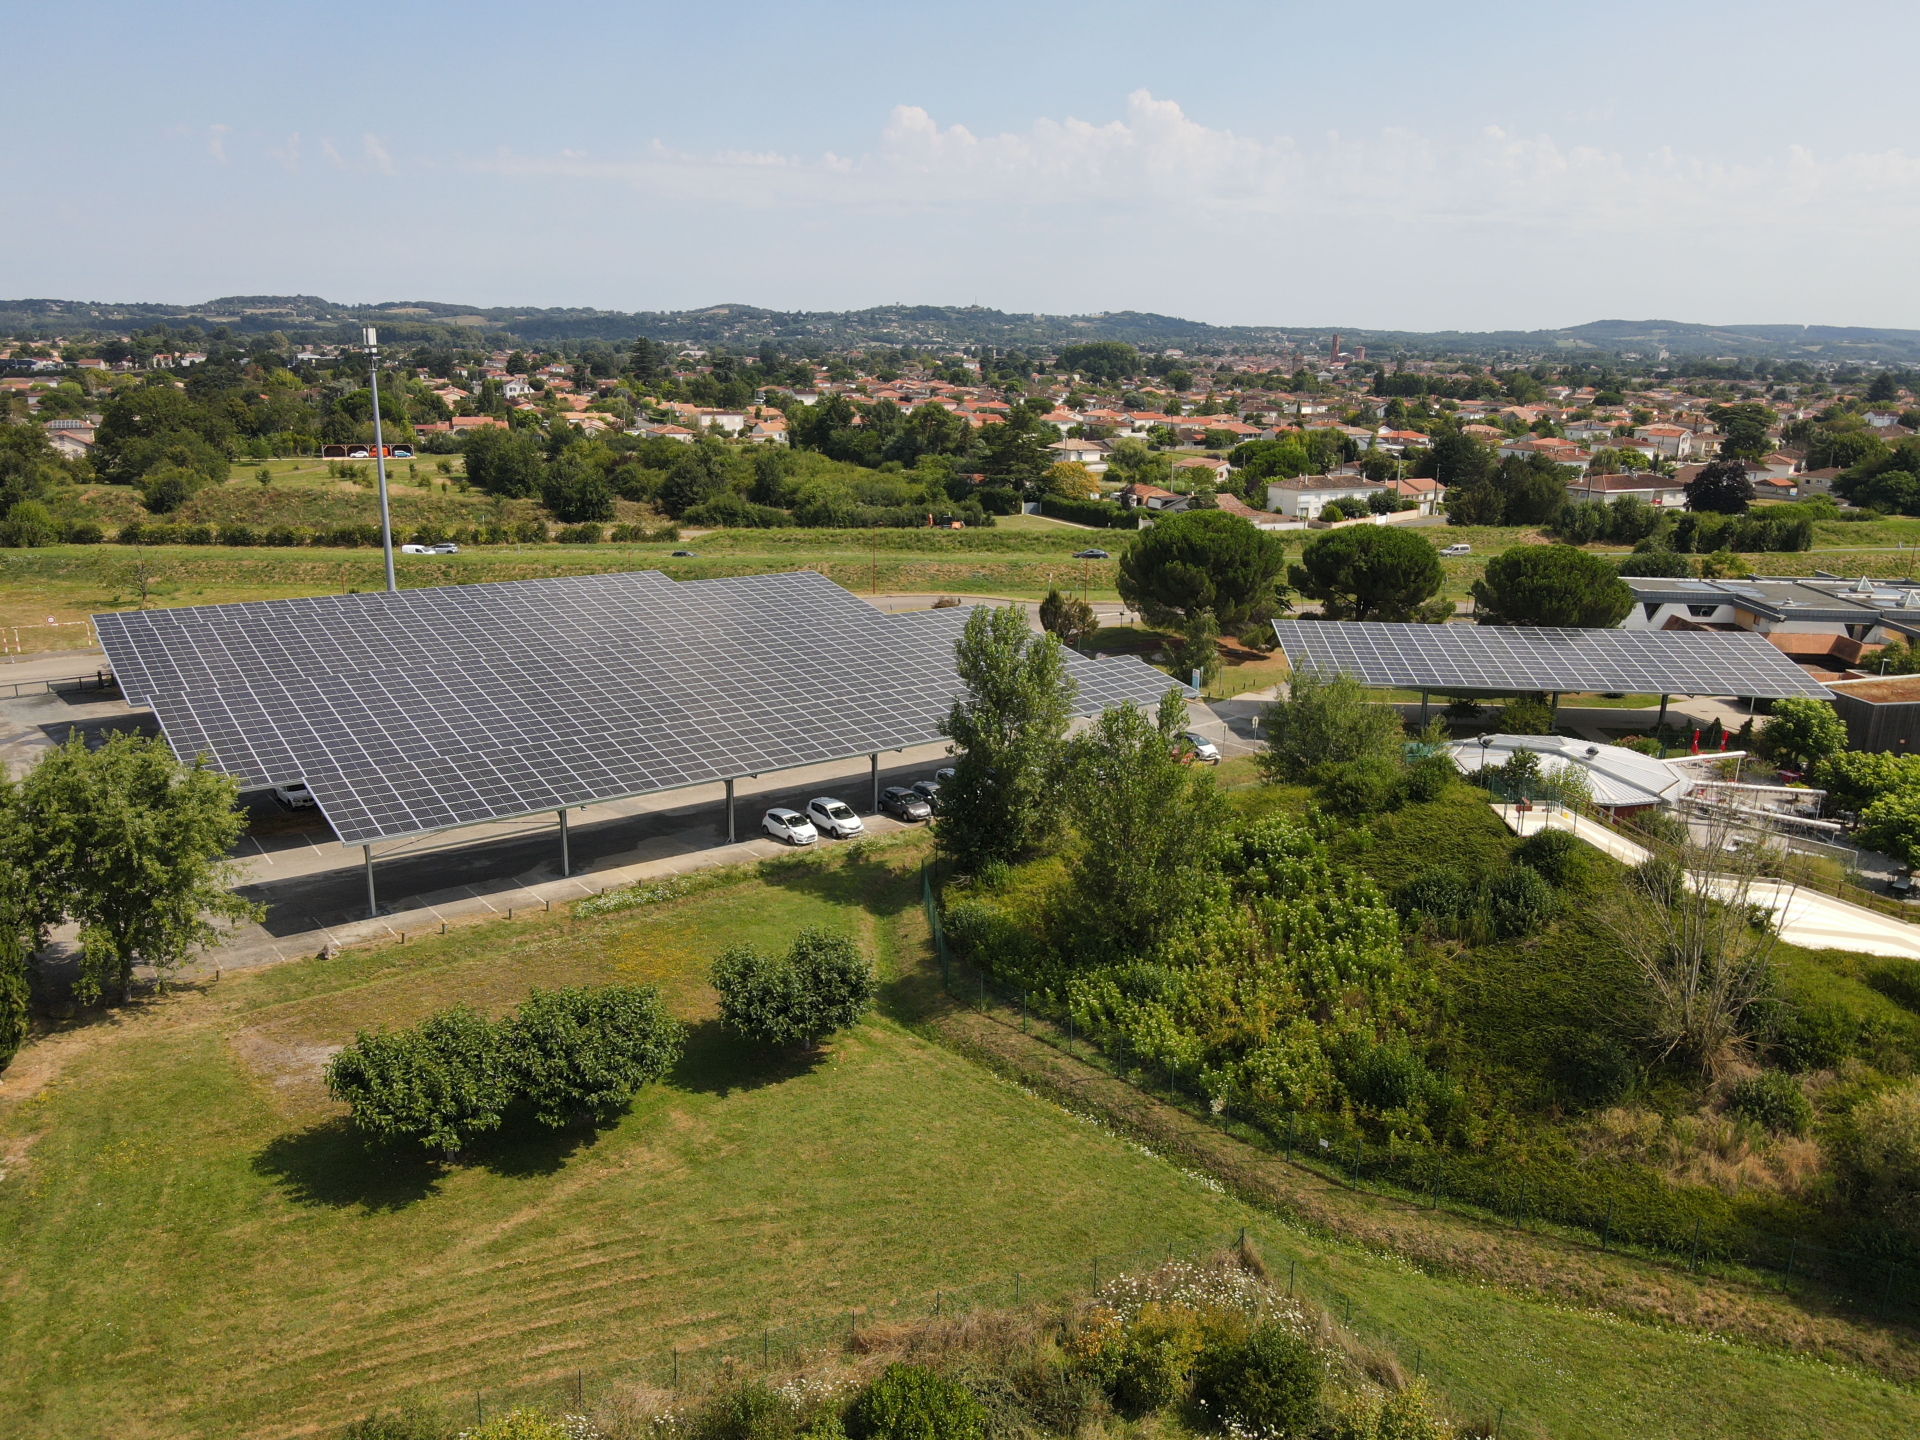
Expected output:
{"points": [[1804, 916]]}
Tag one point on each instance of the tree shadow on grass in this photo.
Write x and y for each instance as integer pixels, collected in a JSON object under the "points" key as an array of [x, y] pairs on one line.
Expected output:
{"points": [[870, 879], [331, 1164], [718, 1062]]}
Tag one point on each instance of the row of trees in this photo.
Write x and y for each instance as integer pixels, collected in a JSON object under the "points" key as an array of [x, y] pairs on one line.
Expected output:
{"points": [[573, 1056]]}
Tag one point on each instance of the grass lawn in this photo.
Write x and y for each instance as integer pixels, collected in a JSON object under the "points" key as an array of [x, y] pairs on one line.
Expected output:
{"points": [[197, 1245]]}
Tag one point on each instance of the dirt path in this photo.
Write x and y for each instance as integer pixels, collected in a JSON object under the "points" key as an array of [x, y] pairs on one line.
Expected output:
{"points": [[1544, 1265]]}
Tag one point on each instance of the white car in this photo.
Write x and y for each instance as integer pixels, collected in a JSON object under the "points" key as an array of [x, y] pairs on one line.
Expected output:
{"points": [[294, 795], [833, 817], [1204, 750], [1458, 550], [790, 826], [416, 549]]}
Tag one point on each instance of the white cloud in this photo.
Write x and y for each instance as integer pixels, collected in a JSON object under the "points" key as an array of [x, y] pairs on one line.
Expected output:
{"points": [[376, 152], [1157, 156], [217, 141]]}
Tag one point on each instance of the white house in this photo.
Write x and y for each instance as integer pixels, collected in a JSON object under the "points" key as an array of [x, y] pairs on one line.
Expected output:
{"points": [[1306, 496]]}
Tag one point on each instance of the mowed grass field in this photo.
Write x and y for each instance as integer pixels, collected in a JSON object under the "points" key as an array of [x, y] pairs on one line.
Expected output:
{"points": [[196, 1244]]}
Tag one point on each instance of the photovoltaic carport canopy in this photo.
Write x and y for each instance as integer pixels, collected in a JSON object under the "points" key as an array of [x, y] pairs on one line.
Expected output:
{"points": [[428, 709], [1515, 659]]}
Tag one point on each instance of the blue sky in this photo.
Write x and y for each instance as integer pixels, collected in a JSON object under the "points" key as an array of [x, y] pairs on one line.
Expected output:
{"points": [[1473, 166]]}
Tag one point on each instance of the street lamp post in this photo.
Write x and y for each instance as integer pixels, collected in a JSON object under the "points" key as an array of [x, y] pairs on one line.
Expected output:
{"points": [[380, 454]]}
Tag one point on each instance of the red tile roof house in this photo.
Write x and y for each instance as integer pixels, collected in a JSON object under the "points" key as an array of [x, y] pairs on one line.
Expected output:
{"points": [[1151, 497], [1219, 469], [1670, 493]]}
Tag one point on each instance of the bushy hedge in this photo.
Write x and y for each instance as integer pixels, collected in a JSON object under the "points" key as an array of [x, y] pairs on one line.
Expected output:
{"points": [[572, 1054], [1103, 513], [821, 985], [348, 537]]}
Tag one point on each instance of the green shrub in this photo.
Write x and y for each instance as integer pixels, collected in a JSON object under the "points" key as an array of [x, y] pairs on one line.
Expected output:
{"points": [[1817, 1037], [1520, 902], [283, 535], [584, 534], [1269, 1383], [85, 532], [750, 1410], [1526, 717], [1886, 1150], [583, 1053], [1441, 894], [521, 1425], [1404, 1415], [442, 1083], [237, 535], [911, 1402], [1371, 786], [1593, 1071], [1773, 1100], [410, 1422], [1386, 1077], [1429, 776], [1559, 856], [820, 986]]}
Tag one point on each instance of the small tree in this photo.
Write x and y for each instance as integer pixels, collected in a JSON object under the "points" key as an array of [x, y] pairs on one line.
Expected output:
{"points": [[1327, 720], [822, 985], [1067, 616], [130, 844], [1722, 487], [1204, 560], [1375, 573], [1144, 860], [1552, 585], [1070, 480], [1198, 648], [1802, 732], [583, 1053], [442, 1083], [1704, 965], [1006, 731]]}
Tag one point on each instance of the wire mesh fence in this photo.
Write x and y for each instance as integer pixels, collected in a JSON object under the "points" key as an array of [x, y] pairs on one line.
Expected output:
{"points": [[771, 1352], [1616, 1207]]}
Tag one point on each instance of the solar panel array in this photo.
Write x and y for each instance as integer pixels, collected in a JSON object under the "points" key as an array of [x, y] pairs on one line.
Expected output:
{"points": [[1503, 659], [416, 712]]}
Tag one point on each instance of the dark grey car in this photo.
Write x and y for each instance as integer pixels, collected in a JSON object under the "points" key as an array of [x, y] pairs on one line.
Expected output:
{"points": [[902, 802]]}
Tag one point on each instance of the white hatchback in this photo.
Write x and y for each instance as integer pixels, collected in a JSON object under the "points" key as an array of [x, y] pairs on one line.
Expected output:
{"points": [[790, 826], [1457, 550], [1204, 750], [835, 818]]}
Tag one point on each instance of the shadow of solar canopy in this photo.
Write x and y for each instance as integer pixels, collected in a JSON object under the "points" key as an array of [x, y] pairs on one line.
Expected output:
{"points": [[1514, 659], [429, 709]]}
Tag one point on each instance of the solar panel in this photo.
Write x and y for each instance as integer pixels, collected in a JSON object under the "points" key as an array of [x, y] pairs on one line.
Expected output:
{"points": [[1503, 659], [410, 713]]}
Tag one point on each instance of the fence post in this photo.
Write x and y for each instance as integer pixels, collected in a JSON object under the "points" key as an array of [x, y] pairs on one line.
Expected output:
{"points": [[1607, 1234], [1290, 1265], [1439, 1180], [1170, 1072], [1023, 1012], [1792, 1250], [676, 1367], [1290, 1121], [1520, 1220], [983, 992], [1886, 1298], [1069, 1026], [1693, 1260], [766, 1347], [1096, 1274], [580, 1389]]}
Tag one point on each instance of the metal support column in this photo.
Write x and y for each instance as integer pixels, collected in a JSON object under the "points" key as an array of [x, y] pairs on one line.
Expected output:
{"points": [[730, 812], [1423, 709], [566, 860], [373, 905], [1663, 713], [875, 758]]}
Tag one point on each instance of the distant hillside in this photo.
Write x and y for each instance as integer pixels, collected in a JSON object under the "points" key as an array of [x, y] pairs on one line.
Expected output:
{"points": [[745, 327]]}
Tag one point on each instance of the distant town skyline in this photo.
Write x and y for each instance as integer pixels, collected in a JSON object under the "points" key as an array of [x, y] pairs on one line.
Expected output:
{"points": [[1490, 167]]}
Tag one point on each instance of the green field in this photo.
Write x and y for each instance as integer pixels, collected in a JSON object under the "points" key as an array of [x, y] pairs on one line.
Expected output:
{"points": [[197, 1244]]}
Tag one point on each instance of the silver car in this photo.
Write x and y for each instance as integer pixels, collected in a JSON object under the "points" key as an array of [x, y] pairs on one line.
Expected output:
{"points": [[1204, 750], [834, 817]]}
